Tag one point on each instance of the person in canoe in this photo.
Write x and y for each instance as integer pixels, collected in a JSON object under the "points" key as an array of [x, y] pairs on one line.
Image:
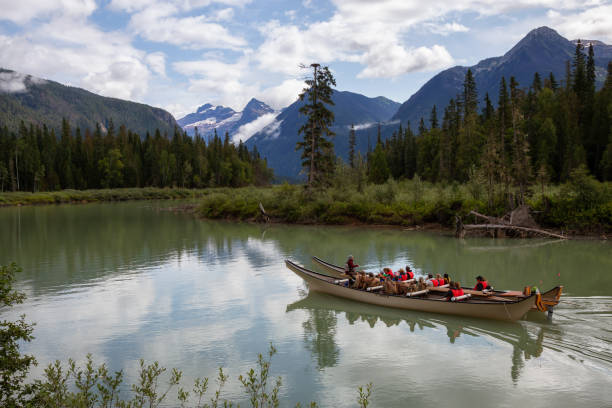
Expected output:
{"points": [[403, 275], [454, 291], [409, 272], [386, 273], [350, 266], [446, 279], [481, 283], [435, 282]]}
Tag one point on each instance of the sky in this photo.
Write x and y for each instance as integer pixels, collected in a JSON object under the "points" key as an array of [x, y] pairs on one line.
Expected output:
{"points": [[180, 54]]}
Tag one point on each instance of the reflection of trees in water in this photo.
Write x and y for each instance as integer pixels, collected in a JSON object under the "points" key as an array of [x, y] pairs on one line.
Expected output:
{"points": [[321, 326], [319, 334], [85, 241]]}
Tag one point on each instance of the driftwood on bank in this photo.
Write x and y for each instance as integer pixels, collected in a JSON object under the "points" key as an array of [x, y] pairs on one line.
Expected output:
{"points": [[518, 220], [263, 214], [512, 228]]}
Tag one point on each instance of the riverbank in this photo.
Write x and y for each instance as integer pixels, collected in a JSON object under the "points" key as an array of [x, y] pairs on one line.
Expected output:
{"points": [[92, 196], [405, 204], [579, 209]]}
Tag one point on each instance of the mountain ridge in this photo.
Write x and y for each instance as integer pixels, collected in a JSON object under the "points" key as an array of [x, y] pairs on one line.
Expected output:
{"points": [[542, 50], [209, 118], [277, 140], [40, 101]]}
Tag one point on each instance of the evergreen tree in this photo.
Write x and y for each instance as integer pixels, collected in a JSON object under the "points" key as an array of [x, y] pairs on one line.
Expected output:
{"points": [[379, 168], [422, 128], [470, 95], [536, 85], [317, 149], [352, 147], [433, 118]]}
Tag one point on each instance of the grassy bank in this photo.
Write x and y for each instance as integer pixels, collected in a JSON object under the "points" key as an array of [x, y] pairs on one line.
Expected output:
{"points": [[83, 196], [408, 203]]}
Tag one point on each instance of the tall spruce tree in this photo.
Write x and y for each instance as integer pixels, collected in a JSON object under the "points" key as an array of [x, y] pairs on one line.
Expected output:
{"points": [[352, 147], [433, 118], [317, 148]]}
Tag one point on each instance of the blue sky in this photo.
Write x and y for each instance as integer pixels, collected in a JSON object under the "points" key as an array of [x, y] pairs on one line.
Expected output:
{"points": [[180, 54]]}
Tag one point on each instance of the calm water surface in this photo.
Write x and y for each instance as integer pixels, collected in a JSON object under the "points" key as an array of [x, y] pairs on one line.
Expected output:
{"points": [[125, 281]]}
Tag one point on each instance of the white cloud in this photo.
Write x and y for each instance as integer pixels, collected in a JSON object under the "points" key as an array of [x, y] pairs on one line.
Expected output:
{"points": [[447, 28], [22, 11], [244, 132], [225, 14], [71, 50], [184, 5], [272, 131], [159, 23], [592, 24], [283, 95], [157, 63], [394, 60], [376, 45], [12, 82]]}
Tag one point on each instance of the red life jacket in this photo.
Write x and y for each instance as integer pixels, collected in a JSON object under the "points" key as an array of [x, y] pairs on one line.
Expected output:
{"points": [[441, 282], [403, 277], [435, 282], [483, 283], [410, 275], [457, 292]]}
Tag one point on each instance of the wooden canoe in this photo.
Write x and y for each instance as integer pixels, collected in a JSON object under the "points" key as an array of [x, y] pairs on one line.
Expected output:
{"points": [[550, 298], [510, 309]]}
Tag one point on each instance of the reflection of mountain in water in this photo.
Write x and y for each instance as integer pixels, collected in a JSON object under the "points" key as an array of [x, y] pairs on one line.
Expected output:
{"points": [[323, 311]]}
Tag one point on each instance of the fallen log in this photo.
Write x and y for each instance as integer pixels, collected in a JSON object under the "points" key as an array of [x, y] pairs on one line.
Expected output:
{"points": [[512, 228], [492, 220]]}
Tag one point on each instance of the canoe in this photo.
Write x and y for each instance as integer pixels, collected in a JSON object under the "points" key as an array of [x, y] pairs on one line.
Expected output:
{"points": [[550, 298], [511, 309]]}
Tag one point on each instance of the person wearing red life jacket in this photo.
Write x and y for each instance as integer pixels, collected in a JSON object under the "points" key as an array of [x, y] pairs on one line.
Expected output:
{"points": [[409, 272], [403, 276], [481, 283], [431, 281], [454, 291]]}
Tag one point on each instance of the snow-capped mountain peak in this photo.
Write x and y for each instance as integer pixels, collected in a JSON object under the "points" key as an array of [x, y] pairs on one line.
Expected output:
{"points": [[209, 118]]}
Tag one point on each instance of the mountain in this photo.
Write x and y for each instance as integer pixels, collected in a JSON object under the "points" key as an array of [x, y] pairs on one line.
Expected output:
{"points": [[277, 140], [207, 118], [39, 101], [542, 50]]}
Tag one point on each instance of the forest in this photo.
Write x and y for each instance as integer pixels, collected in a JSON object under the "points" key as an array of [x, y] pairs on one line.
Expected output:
{"points": [[535, 135], [36, 159]]}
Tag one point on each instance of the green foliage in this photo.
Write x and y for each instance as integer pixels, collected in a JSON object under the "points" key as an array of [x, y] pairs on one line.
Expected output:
{"points": [[14, 366], [408, 202], [364, 395], [256, 384], [583, 189], [317, 149], [34, 159], [532, 131], [77, 196]]}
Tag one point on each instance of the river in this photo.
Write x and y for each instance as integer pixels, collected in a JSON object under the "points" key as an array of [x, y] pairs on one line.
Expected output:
{"points": [[127, 281]]}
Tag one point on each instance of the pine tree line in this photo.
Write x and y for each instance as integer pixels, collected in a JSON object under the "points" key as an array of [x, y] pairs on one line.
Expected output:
{"points": [[37, 159], [535, 135]]}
